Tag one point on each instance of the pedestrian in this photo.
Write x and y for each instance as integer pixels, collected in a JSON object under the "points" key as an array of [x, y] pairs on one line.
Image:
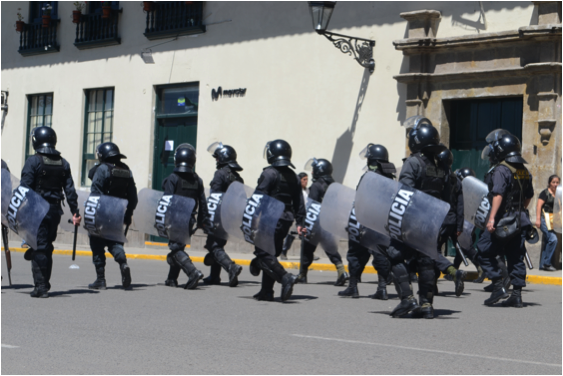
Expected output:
{"points": [[304, 179], [227, 172], [279, 182], [510, 193], [322, 179], [48, 174], [185, 182], [111, 177], [377, 158], [544, 220]]}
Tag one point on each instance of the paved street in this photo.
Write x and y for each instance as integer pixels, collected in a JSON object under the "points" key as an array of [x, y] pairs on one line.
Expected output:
{"points": [[154, 329]]}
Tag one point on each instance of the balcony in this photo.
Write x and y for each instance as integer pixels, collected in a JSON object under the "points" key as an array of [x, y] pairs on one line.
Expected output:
{"points": [[174, 18], [36, 39], [95, 31]]}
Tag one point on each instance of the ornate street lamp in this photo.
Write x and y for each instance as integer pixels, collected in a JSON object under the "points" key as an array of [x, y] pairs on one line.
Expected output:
{"points": [[321, 11]]}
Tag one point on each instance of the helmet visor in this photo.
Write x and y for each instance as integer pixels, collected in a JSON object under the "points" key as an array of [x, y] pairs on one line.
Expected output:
{"points": [[364, 152], [487, 151], [266, 148], [185, 145], [495, 135], [415, 122], [214, 146], [310, 164]]}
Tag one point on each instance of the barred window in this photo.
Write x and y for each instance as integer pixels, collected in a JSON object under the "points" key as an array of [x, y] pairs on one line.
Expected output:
{"points": [[39, 113]]}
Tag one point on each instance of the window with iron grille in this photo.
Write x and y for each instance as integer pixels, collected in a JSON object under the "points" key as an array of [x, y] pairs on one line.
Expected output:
{"points": [[39, 113], [167, 19], [39, 35], [98, 126]]}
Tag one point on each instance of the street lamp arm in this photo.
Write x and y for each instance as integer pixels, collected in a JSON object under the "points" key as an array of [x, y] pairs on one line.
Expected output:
{"points": [[362, 49]]}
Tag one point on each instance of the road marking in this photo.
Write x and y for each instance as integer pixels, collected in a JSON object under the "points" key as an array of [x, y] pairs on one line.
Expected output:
{"points": [[427, 350], [10, 346]]}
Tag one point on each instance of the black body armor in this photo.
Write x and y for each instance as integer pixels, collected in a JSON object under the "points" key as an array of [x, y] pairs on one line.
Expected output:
{"points": [[120, 178], [433, 177], [52, 174], [285, 187]]}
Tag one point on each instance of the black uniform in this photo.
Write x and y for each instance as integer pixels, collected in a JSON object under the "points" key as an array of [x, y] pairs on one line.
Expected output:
{"points": [[187, 184], [420, 172], [112, 179], [48, 175], [317, 193], [502, 181], [282, 184], [222, 179], [358, 255]]}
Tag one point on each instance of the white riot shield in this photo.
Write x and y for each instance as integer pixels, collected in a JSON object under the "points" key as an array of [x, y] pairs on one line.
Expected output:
{"points": [[401, 212], [23, 210], [214, 226], [252, 217], [315, 233], [466, 239], [338, 217], [67, 226], [103, 217], [557, 211], [476, 205], [163, 215]]}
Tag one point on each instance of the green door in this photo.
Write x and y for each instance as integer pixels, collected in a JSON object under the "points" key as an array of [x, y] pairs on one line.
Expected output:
{"points": [[176, 123], [470, 122]]}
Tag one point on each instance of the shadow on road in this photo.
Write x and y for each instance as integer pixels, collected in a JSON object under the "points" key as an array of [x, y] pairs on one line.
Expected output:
{"points": [[17, 287], [440, 314]]}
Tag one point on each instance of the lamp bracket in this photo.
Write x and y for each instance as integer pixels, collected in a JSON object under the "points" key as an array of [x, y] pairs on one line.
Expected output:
{"points": [[362, 49]]}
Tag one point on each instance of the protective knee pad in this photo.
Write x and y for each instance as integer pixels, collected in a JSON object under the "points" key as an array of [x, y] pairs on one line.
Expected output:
{"points": [[181, 258], [394, 255], [222, 258], [401, 279], [270, 269], [170, 260], [209, 259], [254, 267]]}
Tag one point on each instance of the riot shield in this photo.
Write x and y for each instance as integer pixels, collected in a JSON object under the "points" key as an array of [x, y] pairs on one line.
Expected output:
{"points": [[103, 217], [315, 233], [401, 212], [163, 215], [338, 217], [67, 226], [214, 226], [466, 239], [251, 216], [23, 210], [476, 205], [557, 211]]}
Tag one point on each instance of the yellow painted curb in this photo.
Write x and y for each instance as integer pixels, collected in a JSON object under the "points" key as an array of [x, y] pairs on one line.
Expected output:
{"points": [[533, 279], [161, 244]]}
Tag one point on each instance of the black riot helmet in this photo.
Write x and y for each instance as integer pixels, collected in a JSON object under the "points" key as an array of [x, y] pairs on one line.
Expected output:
{"points": [[225, 155], [425, 138], [108, 150], [278, 153], [184, 158], [375, 153], [462, 173], [320, 167], [445, 158], [44, 140], [508, 148]]}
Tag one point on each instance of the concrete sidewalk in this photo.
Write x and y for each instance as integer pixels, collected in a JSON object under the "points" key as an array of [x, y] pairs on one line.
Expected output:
{"points": [[158, 251]]}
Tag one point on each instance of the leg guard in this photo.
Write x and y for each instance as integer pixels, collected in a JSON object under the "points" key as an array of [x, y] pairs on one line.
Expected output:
{"points": [[100, 282], [401, 279]]}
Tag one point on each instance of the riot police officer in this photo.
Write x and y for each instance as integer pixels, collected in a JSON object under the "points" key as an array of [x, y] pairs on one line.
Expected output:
{"points": [[185, 182], [358, 255], [111, 177], [48, 174], [510, 192], [322, 179], [280, 182], [453, 224], [421, 172], [227, 172]]}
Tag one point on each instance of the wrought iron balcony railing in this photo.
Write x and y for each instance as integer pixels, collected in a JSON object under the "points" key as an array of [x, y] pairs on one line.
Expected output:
{"points": [[36, 39], [174, 18], [95, 31]]}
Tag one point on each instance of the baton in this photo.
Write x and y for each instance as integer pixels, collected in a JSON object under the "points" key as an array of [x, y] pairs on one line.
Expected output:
{"points": [[74, 266], [529, 261], [126, 229], [458, 247], [7, 252]]}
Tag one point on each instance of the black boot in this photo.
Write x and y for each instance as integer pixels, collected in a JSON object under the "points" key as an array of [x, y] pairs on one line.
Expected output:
{"points": [[489, 288], [458, 281], [287, 282], [380, 294], [125, 275], [40, 290], [481, 275], [498, 292], [352, 289], [193, 279], [234, 271], [214, 275], [301, 277], [100, 282], [425, 310], [504, 272], [515, 299], [407, 304], [171, 283], [267, 296]]}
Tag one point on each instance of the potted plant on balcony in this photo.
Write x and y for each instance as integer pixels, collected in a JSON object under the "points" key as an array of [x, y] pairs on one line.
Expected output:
{"points": [[47, 15], [106, 9], [76, 14], [148, 6], [19, 23]]}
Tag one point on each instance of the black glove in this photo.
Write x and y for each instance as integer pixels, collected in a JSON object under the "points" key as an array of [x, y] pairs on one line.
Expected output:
{"points": [[127, 219]]}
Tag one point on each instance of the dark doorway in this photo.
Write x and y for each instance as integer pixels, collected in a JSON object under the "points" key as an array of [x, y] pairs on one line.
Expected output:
{"points": [[471, 120]]}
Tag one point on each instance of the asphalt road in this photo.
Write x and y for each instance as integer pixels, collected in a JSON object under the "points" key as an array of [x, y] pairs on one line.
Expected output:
{"points": [[154, 329]]}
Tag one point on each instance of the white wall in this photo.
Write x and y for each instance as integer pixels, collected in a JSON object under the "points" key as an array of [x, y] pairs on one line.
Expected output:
{"points": [[299, 87]]}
